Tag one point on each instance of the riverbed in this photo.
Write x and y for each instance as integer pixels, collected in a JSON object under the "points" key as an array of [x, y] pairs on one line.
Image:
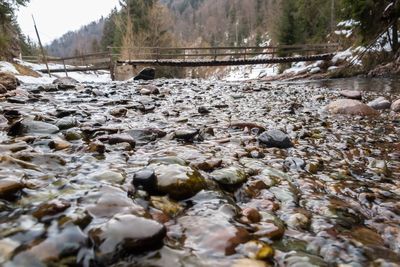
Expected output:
{"points": [[173, 173]]}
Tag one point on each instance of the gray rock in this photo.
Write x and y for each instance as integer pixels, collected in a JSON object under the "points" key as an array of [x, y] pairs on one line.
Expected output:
{"points": [[380, 103], [65, 83], [275, 138]]}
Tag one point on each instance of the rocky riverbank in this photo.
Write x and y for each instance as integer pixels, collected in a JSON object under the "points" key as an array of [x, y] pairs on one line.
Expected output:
{"points": [[198, 173]]}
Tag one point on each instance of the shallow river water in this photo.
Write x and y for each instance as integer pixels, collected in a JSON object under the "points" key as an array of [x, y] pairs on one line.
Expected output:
{"points": [[172, 173]]}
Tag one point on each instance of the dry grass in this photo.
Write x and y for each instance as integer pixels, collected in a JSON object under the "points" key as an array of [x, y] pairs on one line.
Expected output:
{"points": [[25, 71]]}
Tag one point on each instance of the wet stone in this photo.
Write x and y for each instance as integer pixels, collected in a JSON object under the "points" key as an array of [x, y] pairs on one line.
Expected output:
{"points": [[32, 127], [126, 234], [9, 187], [295, 163], [66, 243], [178, 181], [118, 138], [67, 123], [203, 110], [145, 179], [147, 135], [51, 208], [230, 176], [275, 138], [108, 176], [186, 134]]}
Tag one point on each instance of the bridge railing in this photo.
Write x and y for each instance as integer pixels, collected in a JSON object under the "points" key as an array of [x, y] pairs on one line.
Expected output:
{"points": [[214, 53]]}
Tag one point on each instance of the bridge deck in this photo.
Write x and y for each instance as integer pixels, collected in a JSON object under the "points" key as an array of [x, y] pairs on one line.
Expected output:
{"points": [[224, 62]]}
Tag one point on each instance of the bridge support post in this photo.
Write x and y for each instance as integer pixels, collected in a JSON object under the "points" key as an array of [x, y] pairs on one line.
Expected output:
{"points": [[65, 68]]}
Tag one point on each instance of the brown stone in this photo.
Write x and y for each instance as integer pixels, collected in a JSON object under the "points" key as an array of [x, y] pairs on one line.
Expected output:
{"points": [[351, 107], [252, 215], [3, 90], [9, 187], [8, 80]]}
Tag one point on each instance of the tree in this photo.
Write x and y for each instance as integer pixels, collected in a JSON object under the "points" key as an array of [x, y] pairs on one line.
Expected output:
{"points": [[374, 16]]}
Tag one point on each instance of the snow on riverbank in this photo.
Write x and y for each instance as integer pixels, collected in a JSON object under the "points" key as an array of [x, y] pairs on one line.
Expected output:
{"points": [[35, 77]]}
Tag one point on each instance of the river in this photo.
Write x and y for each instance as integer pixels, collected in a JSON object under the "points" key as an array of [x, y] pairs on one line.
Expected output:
{"points": [[176, 173]]}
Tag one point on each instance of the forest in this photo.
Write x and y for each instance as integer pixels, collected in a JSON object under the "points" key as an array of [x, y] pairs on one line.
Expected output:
{"points": [[228, 22]]}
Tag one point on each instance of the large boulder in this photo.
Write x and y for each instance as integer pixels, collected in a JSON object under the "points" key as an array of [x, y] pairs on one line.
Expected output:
{"points": [[351, 107], [396, 106], [9, 81], [146, 74]]}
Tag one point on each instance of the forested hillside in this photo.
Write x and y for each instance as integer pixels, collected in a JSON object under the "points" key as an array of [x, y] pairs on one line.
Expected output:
{"points": [[85, 40], [12, 41], [228, 22]]}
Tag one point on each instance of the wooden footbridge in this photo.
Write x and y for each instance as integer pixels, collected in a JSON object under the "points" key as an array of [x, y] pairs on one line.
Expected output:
{"points": [[189, 57]]}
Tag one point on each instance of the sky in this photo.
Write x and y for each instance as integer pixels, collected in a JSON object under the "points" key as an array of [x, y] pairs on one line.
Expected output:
{"points": [[56, 17]]}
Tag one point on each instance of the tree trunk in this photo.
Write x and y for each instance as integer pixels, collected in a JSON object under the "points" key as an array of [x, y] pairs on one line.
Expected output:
{"points": [[395, 37]]}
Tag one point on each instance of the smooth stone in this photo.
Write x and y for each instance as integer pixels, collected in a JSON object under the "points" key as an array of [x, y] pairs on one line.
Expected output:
{"points": [[51, 208], [145, 179], [32, 127], [108, 201], [72, 135], [146, 74], [222, 238], [108, 176], [206, 165], [126, 234], [119, 112], [67, 242], [9, 187], [351, 107], [65, 83], [351, 94], [147, 135], [8, 81], [119, 138], [168, 160], [257, 250], [252, 215], [380, 103], [275, 138], [396, 106], [179, 182], [149, 90], [186, 134], [67, 123], [59, 145], [229, 176], [203, 110]]}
